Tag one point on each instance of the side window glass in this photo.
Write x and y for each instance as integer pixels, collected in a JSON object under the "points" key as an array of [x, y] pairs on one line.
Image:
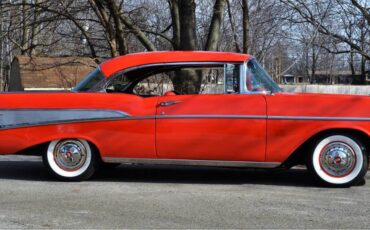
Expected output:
{"points": [[178, 80], [258, 79], [118, 84], [155, 85], [217, 79], [213, 80], [232, 78]]}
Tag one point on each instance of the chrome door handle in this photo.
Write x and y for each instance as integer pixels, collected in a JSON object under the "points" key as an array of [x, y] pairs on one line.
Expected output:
{"points": [[168, 103]]}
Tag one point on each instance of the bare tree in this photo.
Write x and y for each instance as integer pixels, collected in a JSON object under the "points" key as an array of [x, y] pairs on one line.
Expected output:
{"points": [[213, 38], [246, 20], [317, 19], [287, 36]]}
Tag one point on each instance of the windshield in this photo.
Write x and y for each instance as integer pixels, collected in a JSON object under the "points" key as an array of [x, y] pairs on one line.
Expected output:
{"points": [[90, 81], [258, 79]]}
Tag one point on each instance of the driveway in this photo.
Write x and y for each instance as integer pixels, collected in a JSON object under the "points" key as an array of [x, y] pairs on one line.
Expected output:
{"points": [[175, 197]]}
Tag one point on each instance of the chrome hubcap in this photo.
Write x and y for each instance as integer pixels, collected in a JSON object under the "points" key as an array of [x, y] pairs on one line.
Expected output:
{"points": [[70, 155], [337, 159]]}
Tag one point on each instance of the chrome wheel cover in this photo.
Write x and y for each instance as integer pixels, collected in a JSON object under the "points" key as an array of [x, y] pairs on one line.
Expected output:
{"points": [[70, 155], [337, 159], [69, 158]]}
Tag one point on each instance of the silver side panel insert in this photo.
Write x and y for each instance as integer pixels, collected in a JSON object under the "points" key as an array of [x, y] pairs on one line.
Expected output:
{"points": [[15, 118], [239, 164]]}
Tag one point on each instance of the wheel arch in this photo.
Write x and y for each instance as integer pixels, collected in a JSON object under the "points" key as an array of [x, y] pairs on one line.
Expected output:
{"points": [[300, 154], [39, 148]]}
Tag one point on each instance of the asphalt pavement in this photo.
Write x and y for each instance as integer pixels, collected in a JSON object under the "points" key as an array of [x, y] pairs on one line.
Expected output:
{"points": [[176, 197]]}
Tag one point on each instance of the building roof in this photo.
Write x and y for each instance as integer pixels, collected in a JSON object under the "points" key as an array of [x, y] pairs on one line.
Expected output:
{"points": [[50, 72], [114, 65], [332, 72]]}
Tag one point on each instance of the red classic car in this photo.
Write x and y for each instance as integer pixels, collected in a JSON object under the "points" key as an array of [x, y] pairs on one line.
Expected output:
{"points": [[137, 109]]}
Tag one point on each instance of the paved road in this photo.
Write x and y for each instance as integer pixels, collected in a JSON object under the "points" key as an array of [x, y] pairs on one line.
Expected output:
{"points": [[176, 197]]}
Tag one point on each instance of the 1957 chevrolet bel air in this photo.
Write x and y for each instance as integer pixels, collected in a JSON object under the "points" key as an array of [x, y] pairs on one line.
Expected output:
{"points": [[132, 110]]}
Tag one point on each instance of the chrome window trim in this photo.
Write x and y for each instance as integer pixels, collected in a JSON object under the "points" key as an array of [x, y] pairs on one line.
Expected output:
{"points": [[211, 163], [225, 72], [171, 64], [114, 75], [243, 79], [73, 89]]}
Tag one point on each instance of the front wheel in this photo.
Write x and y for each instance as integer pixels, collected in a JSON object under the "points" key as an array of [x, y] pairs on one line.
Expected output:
{"points": [[339, 160], [70, 159]]}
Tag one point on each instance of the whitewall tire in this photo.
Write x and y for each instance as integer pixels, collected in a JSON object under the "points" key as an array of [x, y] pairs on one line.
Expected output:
{"points": [[339, 160], [70, 159]]}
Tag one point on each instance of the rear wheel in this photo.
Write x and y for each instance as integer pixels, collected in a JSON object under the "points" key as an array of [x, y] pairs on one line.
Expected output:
{"points": [[71, 159], [339, 160]]}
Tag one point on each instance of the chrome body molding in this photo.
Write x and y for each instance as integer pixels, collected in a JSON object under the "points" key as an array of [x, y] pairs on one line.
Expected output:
{"points": [[20, 118], [17, 118], [318, 118], [211, 117], [212, 163], [204, 116]]}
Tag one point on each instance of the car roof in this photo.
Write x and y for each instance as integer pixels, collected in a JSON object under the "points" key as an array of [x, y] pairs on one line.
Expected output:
{"points": [[138, 59]]}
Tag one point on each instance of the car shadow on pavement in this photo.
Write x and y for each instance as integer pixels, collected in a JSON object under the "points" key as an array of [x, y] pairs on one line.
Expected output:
{"points": [[35, 171], [23, 170], [206, 175]]}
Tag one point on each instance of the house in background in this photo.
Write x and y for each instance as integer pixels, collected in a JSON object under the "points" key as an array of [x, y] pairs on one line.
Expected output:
{"points": [[368, 77], [48, 73], [328, 77], [343, 77], [292, 79]]}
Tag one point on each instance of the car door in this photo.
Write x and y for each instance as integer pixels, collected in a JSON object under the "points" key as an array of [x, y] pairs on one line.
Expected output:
{"points": [[227, 127]]}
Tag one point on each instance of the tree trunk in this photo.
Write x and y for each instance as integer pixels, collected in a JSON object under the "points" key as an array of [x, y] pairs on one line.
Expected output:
{"points": [[313, 66], [188, 38], [307, 65], [105, 20], [235, 37], [34, 30], [99, 9], [1, 49], [351, 63], [115, 11], [363, 70], [187, 81], [24, 42], [139, 34], [213, 38], [363, 10], [245, 26], [175, 16]]}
